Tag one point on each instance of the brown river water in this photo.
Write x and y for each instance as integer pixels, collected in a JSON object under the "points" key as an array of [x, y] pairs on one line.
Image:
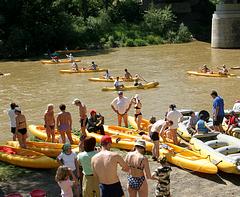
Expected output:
{"points": [[33, 85]]}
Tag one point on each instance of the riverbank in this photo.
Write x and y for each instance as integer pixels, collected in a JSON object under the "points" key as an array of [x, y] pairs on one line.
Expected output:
{"points": [[184, 183]]}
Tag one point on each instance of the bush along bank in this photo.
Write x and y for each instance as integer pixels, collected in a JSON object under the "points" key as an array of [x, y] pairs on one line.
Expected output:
{"points": [[45, 25]]}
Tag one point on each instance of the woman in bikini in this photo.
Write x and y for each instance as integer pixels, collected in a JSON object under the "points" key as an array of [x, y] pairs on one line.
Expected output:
{"points": [[138, 114], [49, 121], [138, 170], [21, 127]]}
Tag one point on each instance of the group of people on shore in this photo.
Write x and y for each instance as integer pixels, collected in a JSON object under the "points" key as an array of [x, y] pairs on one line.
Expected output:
{"points": [[99, 171], [96, 162]]}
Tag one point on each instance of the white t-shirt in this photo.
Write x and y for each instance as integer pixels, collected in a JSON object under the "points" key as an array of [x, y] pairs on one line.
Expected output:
{"points": [[68, 160], [66, 188], [117, 83], [156, 127], [121, 104], [174, 116], [12, 117], [236, 107]]}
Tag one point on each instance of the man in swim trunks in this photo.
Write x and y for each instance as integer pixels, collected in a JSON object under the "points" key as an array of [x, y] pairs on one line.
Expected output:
{"points": [[121, 106], [49, 121], [82, 114], [64, 124], [107, 161]]}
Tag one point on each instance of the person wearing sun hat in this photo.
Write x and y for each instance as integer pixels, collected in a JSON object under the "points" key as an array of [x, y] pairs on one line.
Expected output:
{"points": [[139, 170], [104, 165], [95, 122], [121, 106], [138, 114]]}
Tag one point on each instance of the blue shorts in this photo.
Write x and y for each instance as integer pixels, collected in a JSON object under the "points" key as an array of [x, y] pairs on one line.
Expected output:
{"points": [[111, 190]]}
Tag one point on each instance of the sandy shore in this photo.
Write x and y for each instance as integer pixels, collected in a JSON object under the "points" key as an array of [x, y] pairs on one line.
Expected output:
{"points": [[183, 183]]}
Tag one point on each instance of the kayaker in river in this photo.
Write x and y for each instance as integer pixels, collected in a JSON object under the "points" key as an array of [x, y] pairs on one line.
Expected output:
{"points": [[121, 106], [49, 123], [64, 124], [107, 75], [205, 69], [70, 57], [118, 84], [93, 66], [223, 70], [74, 66], [21, 127], [127, 74]]}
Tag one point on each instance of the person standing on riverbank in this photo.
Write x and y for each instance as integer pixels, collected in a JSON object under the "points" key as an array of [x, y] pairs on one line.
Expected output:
{"points": [[121, 106], [218, 111], [49, 123], [90, 182], [68, 158], [139, 170], [175, 116], [21, 127], [64, 124], [12, 118], [83, 115], [104, 165]]}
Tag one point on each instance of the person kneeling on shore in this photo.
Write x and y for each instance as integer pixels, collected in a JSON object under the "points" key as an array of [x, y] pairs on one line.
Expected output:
{"points": [[95, 122], [201, 126]]}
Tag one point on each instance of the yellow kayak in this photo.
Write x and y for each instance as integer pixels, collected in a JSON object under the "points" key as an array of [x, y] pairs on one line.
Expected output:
{"points": [[222, 150], [122, 138], [210, 74], [102, 79], [143, 87], [69, 71], [144, 125], [187, 159], [40, 132], [63, 61], [47, 148], [26, 158]]}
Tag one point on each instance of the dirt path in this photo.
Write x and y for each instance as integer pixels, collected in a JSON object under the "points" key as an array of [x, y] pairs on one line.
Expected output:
{"points": [[183, 183]]}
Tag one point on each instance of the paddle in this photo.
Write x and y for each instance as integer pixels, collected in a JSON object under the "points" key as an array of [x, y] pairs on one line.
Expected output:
{"points": [[142, 78]]}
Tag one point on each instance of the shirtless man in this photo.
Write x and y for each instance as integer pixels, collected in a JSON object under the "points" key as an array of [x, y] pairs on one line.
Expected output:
{"points": [[104, 165], [49, 121], [82, 114], [64, 124], [127, 74]]}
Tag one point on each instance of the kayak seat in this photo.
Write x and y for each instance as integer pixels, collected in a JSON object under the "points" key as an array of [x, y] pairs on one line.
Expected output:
{"points": [[216, 143], [226, 150]]}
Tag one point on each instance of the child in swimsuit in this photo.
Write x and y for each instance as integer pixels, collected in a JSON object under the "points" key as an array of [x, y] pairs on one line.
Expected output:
{"points": [[63, 179], [162, 174]]}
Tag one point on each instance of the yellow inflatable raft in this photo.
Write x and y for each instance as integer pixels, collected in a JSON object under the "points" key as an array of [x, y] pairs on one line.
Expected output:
{"points": [[63, 61], [69, 71], [144, 125], [210, 74], [40, 132], [47, 148], [187, 159], [26, 158], [222, 150], [143, 87]]}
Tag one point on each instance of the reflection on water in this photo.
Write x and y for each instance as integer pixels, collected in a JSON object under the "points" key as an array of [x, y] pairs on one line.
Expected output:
{"points": [[33, 85]]}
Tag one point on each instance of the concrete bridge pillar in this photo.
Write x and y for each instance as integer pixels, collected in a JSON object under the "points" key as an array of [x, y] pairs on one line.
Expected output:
{"points": [[226, 25]]}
